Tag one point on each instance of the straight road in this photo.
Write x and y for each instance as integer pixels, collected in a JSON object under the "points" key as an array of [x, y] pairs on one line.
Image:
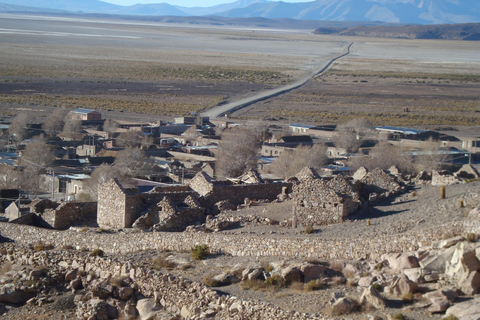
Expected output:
{"points": [[215, 112]]}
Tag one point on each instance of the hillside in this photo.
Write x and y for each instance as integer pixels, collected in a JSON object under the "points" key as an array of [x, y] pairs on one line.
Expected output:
{"points": [[468, 31], [392, 11]]}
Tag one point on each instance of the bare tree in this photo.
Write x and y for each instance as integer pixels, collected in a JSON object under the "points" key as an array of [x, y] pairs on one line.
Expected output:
{"points": [[130, 138], [147, 141], [110, 125], [18, 127], [37, 153], [384, 155], [291, 162], [237, 152], [430, 156], [133, 161], [192, 134], [72, 129], [101, 175], [55, 122], [352, 134]]}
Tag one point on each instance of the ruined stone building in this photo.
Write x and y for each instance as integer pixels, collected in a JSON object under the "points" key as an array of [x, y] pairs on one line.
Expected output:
{"points": [[175, 207]]}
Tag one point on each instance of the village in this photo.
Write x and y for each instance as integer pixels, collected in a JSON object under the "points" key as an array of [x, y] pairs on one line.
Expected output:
{"points": [[117, 188]]}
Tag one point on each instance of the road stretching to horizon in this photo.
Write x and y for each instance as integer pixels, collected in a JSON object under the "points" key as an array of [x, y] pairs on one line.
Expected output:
{"points": [[215, 112]]}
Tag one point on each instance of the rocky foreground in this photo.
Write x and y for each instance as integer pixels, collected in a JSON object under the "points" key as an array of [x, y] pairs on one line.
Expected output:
{"points": [[65, 283]]}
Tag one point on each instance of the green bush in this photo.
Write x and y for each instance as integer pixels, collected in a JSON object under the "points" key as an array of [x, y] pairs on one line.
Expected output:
{"points": [[309, 229], [199, 252], [471, 237], [97, 253]]}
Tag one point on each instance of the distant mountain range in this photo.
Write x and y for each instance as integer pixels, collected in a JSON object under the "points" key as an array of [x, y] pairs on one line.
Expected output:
{"points": [[393, 11]]}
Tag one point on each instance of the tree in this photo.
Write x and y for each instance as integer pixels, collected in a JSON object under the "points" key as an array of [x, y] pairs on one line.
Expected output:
{"points": [[37, 154], [291, 162], [237, 152], [55, 122], [110, 125], [430, 156], [192, 134], [130, 138], [18, 127], [133, 161], [101, 175], [72, 129], [352, 134], [383, 156]]}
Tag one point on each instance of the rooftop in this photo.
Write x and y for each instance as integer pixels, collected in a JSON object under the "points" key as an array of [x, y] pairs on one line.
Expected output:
{"points": [[400, 130]]}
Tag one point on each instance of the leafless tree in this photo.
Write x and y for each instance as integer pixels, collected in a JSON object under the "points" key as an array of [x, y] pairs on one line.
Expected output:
{"points": [[384, 155], [72, 129], [37, 153], [18, 127], [101, 175], [430, 156], [192, 134], [133, 161], [55, 122], [147, 141], [291, 162], [352, 134], [110, 125], [237, 152], [130, 138]]}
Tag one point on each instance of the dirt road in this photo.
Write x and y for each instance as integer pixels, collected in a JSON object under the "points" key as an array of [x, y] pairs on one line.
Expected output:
{"points": [[232, 106]]}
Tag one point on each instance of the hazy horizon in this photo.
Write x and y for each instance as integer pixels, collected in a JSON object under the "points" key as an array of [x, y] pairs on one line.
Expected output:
{"points": [[183, 3]]}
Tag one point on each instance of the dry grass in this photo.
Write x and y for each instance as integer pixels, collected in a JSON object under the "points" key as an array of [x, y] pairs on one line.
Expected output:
{"points": [[7, 266]]}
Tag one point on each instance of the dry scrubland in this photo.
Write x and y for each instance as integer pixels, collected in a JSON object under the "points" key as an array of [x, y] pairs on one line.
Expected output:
{"points": [[176, 69]]}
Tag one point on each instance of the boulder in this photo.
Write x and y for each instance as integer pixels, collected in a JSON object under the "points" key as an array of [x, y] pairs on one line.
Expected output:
{"points": [[10, 295], [292, 274], [252, 273], [147, 309], [467, 310], [366, 281], [360, 173], [312, 271], [415, 275], [438, 306], [343, 306], [402, 261], [445, 294], [402, 285], [224, 279], [372, 297], [436, 261], [469, 284]]}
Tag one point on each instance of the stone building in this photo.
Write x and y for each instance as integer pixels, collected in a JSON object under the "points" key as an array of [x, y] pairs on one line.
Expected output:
{"points": [[175, 207], [318, 203]]}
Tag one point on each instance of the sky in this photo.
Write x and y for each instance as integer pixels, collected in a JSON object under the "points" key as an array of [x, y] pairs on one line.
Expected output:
{"points": [[183, 3]]}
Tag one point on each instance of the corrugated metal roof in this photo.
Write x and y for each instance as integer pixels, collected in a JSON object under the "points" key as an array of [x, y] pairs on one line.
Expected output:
{"points": [[306, 126], [401, 130], [85, 111]]}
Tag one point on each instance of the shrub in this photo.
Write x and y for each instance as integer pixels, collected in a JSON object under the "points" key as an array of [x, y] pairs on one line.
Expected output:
{"points": [[351, 282], [97, 253], [40, 246], [471, 237], [450, 317], [408, 297], [210, 282], [275, 281], [199, 252], [267, 268], [337, 265], [398, 316], [377, 287], [313, 285], [162, 262], [309, 229]]}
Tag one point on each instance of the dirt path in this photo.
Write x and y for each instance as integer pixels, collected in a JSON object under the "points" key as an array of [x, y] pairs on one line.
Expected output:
{"points": [[233, 106]]}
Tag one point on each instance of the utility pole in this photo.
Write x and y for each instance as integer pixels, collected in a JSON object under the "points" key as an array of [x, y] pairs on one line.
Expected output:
{"points": [[53, 185]]}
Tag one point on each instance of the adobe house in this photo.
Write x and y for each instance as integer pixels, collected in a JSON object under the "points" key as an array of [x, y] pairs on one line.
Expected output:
{"points": [[85, 114]]}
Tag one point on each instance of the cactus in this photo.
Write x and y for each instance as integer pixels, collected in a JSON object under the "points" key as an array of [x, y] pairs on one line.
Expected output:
{"points": [[442, 192]]}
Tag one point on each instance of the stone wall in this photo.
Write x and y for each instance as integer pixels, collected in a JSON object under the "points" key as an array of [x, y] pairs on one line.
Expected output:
{"points": [[111, 205], [241, 245], [316, 203], [68, 213]]}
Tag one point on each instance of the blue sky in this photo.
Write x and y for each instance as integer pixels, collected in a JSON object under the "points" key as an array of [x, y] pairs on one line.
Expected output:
{"points": [[184, 3]]}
